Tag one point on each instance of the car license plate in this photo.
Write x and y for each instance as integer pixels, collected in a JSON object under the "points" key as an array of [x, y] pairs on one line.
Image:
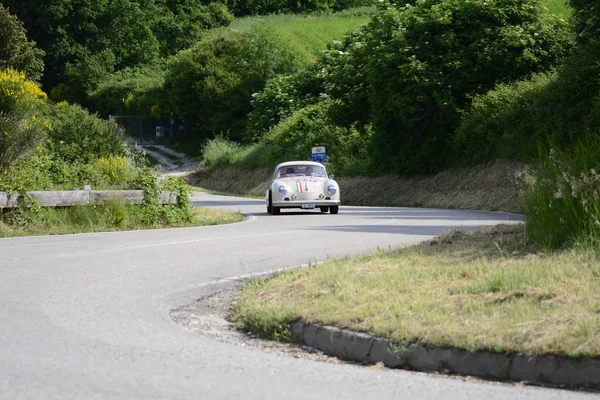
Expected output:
{"points": [[308, 205]]}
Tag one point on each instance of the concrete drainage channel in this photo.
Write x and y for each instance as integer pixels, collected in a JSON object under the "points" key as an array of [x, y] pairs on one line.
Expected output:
{"points": [[206, 316], [362, 348]]}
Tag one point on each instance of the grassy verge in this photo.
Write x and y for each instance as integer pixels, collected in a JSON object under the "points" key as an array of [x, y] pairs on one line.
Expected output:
{"points": [[103, 218], [484, 290], [308, 35]]}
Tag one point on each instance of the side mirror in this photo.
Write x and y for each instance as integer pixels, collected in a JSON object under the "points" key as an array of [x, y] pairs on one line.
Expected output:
{"points": [[331, 176]]}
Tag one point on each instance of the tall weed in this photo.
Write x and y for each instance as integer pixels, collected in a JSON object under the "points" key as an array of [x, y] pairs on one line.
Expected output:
{"points": [[561, 197]]}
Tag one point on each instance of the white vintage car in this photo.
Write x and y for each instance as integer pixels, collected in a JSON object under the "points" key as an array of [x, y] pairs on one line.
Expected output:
{"points": [[304, 185]]}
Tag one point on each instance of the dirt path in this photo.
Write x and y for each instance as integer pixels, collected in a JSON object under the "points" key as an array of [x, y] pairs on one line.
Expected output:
{"points": [[177, 164]]}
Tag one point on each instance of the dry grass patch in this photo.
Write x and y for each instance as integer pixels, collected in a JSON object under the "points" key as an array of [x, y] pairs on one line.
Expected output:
{"points": [[232, 180], [484, 290], [485, 187]]}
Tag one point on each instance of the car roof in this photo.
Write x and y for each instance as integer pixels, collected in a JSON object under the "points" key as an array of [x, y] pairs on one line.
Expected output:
{"points": [[287, 163]]}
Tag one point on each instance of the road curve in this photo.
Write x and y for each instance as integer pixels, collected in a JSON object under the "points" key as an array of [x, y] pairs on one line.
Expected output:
{"points": [[87, 316]]}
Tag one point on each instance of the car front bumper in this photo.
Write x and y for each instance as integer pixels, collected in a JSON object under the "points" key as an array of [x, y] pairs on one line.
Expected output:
{"points": [[306, 204]]}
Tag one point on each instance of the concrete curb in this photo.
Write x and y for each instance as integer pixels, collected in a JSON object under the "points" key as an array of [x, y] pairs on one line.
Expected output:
{"points": [[363, 348]]}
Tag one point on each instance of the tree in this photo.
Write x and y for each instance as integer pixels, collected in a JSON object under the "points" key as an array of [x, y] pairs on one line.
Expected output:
{"points": [[84, 40], [16, 51], [211, 85], [426, 61], [586, 20]]}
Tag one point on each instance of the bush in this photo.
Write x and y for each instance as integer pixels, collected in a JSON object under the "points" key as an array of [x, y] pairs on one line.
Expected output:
{"points": [[185, 22], [136, 91], [18, 138], [586, 20], [501, 124], [20, 129], [281, 96], [294, 137], [426, 60], [17, 93], [211, 85], [76, 135], [510, 120], [115, 169], [561, 197], [220, 152]]}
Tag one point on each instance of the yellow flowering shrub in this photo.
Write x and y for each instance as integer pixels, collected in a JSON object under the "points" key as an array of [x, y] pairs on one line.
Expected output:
{"points": [[17, 91], [115, 169]]}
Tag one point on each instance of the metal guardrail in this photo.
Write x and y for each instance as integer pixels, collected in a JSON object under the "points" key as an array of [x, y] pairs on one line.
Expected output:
{"points": [[65, 198]]}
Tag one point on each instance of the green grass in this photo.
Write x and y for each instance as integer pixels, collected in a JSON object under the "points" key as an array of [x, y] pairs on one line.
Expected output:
{"points": [[104, 218], [561, 196], [307, 35], [478, 291], [559, 8]]}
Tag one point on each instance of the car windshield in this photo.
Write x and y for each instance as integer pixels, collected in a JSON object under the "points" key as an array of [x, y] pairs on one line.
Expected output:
{"points": [[301, 170]]}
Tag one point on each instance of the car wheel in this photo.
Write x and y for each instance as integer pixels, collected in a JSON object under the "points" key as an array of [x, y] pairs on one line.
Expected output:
{"points": [[334, 209], [276, 210], [324, 209], [270, 205]]}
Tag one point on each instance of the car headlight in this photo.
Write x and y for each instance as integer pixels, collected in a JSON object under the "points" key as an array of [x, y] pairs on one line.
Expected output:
{"points": [[282, 190], [331, 189]]}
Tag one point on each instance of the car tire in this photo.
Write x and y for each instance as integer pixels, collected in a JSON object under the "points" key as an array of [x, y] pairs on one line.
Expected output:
{"points": [[324, 209], [270, 205], [334, 209]]}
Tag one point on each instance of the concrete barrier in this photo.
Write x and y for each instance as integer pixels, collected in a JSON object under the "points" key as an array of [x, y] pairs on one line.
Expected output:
{"points": [[65, 198]]}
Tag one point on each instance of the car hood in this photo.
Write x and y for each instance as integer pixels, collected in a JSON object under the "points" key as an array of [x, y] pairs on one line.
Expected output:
{"points": [[303, 184]]}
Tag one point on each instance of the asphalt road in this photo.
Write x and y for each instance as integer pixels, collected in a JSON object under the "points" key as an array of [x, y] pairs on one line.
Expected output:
{"points": [[87, 316]]}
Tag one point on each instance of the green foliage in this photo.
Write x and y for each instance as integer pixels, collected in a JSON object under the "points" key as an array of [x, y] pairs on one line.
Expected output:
{"points": [[78, 136], [16, 51], [155, 214], [211, 85], [260, 7], [131, 91], [184, 23], [502, 124], [561, 197], [281, 96], [19, 95], [426, 60], [220, 152], [586, 20], [45, 171], [20, 129], [510, 120], [115, 169], [560, 8], [27, 213], [86, 41], [342, 68], [17, 139], [293, 138]]}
